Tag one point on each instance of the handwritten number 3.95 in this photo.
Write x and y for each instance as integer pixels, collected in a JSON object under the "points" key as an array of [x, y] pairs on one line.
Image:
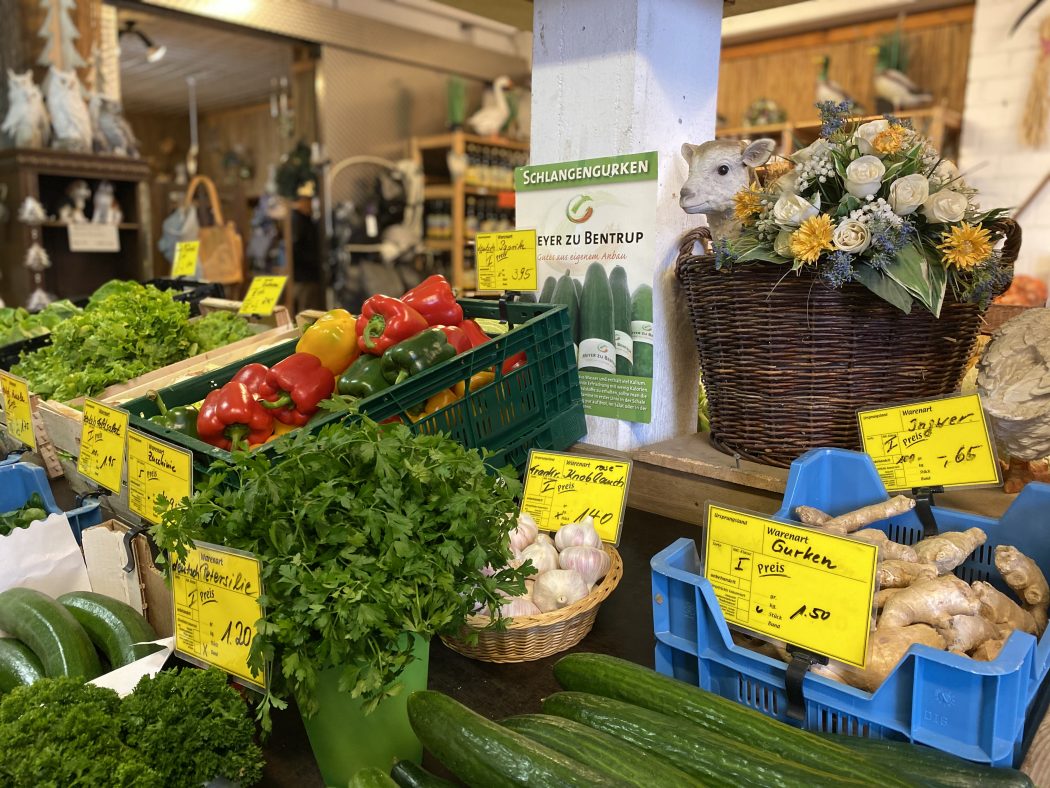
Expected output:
{"points": [[239, 631]]}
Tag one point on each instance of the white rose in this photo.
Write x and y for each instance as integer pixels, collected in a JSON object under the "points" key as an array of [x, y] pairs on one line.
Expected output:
{"points": [[811, 151], [864, 176], [864, 136], [851, 236], [947, 174], [793, 209], [908, 193], [945, 206], [782, 244]]}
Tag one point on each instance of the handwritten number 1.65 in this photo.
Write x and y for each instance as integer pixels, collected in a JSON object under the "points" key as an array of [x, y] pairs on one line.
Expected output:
{"points": [[240, 633], [963, 455], [817, 613]]}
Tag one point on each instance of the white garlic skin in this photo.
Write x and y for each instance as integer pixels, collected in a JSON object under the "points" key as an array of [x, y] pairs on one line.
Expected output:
{"points": [[591, 562], [524, 533], [558, 588], [543, 556], [519, 606], [574, 534]]}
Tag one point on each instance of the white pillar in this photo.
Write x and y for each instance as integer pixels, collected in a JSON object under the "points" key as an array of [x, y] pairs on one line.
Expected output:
{"points": [[625, 77]]}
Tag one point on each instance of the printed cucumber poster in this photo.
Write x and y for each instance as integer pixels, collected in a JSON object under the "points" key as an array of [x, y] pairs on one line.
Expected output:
{"points": [[595, 229]]}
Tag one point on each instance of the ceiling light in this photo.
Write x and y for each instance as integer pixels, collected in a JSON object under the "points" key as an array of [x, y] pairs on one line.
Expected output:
{"points": [[154, 53]]}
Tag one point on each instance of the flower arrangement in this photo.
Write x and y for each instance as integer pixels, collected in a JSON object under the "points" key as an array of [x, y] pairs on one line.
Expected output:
{"points": [[872, 203]]}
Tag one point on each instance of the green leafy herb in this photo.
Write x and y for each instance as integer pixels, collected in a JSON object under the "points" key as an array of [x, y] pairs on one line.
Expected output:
{"points": [[364, 533], [32, 509], [216, 329], [17, 325]]}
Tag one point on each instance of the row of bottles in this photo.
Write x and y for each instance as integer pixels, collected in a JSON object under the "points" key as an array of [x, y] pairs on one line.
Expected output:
{"points": [[482, 215], [492, 167], [437, 222]]}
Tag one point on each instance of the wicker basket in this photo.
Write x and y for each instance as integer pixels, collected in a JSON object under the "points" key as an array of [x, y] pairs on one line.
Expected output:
{"points": [[787, 361], [533, 637]]}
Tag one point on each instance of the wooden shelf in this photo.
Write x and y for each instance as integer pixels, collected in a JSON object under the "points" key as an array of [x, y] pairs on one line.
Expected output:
{"points": [[448, 141], [445, 191], [438, 244], [51, 225]]}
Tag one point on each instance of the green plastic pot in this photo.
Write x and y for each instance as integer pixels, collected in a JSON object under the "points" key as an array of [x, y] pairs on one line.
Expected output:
{"points": [[345, 740]]}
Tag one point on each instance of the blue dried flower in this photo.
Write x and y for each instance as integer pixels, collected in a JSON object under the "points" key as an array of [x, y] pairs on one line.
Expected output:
{"points": [[837, 269], [724, 256], [833, 117]]}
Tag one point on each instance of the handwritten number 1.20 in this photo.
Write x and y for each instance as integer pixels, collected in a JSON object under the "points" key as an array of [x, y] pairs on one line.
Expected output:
{"points": [[817, 613], [239, 631]]}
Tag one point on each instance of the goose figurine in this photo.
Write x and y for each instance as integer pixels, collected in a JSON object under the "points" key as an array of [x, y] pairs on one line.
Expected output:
{"points": [[828, 90], [896, 89], [488, 120]]}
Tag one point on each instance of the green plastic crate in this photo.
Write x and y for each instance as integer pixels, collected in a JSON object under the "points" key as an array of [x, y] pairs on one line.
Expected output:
{"points": [[535, 406]]}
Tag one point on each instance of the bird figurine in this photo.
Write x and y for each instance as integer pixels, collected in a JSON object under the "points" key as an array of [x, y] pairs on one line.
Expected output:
{"points": [[488, 120], [898, 91], [828, 90], [1013, 379], [70, 120], [116, 130], [26, 123]]}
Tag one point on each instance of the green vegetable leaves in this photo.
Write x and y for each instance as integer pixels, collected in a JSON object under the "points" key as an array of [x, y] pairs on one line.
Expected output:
{"points": [[216, 329]]}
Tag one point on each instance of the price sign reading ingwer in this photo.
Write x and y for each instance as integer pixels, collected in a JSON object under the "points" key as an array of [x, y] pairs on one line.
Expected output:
{"points": [[262, 295], [103, 439], [216, 600], [156, 468], [506, 261], [18, 409], [185, 263], [564, 488], [937, 443], [806, 587]]}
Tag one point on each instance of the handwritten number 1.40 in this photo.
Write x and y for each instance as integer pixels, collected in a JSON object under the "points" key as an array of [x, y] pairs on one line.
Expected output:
{"points": [[240, 633], [817, 613], [600, 517]]}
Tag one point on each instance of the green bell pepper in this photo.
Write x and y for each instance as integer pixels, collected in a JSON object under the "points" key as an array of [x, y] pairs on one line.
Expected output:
{"points": [[182, 419], [419, 353], [363, 378]]}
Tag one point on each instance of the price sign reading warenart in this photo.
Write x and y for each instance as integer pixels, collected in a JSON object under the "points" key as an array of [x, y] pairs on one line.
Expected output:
{"points": [[937, 443], [156, 468], [18, 410], [216, 599], [185, 263], [506, 261], [564, 488], [808, 588], [262, 295], [103, 439]]}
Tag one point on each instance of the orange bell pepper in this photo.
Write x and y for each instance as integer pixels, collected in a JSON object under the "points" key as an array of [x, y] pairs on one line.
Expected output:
{"points": [[442, 399], [333, 339], [477, 381], [279, 429]]}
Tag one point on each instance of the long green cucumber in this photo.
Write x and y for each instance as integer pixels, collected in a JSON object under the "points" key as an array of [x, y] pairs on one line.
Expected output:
{"points": [[932, 767], [485, 755], [619, 679], [577, 285], [597, 333], [113, 626], [408, 774], [50, 632], [372, 778], [622, 321], [708, 756], [600, 750], [547, 291], [642, 330], [565, 294], [18, 665]]}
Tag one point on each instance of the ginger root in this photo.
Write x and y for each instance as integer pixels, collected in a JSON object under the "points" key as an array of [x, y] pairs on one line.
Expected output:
{"points": [[930, 602], [1022, 575], [1002, 611], [857, 519], [888, 550], [1039, 614], [949, 549], [882, 596], [810, 515], [989, 650], [963, 634], [898, 574], [888, 647]]}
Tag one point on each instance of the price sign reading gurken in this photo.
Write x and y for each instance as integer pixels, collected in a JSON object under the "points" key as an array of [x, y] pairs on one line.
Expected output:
{"points": [[103, 439], [564, 488], [216, 599], [506, 261], [938, 443], [156, 468], [18, 409], [806, 587]]}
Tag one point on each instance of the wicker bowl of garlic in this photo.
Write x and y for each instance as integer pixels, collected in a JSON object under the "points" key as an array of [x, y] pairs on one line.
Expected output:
{"points": [[575, 572]]}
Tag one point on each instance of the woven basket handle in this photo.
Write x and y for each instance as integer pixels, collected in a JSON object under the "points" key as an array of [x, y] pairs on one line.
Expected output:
{"points": [[213, 196], [698, 235], [1011, 234]]}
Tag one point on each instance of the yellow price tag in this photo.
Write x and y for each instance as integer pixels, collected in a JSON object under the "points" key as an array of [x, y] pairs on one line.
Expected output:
{"points": [[937, 443], [18, 409], [262, 295], [506, 261], [156, 468], [103, 439], [806, 587], [185, 263], [564, 488], [493, 328], [216, 600]]}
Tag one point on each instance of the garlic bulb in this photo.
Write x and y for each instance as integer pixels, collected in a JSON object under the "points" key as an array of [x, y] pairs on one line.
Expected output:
{"points": [[530, 583], [543, 556], [558, 588], [542, 538], [519, 606], [524, 533], [590, 562], [581, 533]]}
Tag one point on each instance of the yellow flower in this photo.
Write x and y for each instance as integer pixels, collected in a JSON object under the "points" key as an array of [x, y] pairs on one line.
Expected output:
{"points": [[965, 245], [811, 238], [746, 205], [889, 141]]}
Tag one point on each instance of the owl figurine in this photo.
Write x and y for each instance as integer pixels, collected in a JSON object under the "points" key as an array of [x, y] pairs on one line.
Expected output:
{"points": [[70, 120], [116, 130], [26, 123]]}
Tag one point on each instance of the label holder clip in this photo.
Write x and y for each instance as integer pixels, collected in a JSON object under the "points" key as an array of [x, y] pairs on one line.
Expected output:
{"points": [[801, 661], [924, 504]]}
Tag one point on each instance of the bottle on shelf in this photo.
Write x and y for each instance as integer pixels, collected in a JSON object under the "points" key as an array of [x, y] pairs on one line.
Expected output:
{"points": [[472, 174], [470, 220]]}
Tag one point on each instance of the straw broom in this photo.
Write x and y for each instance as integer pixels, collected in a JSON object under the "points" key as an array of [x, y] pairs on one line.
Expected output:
{"points": [[1037, 105]]}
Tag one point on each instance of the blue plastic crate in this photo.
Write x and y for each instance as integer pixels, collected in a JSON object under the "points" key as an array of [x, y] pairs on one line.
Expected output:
{"points": [[20, 480], [976, 710]]}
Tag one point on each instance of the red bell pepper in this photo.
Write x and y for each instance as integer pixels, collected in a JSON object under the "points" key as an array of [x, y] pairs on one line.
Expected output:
{"points": [[457, 337], [300, 383], [474, 333], [514, 362], [230, 417], [434, 300], [384, 322], [256, 378]]}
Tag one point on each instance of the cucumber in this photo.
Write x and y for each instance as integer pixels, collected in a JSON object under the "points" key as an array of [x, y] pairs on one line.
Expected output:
{"points": [[485, 755], [527, 297], [547, 291], [113, 626], [597, 335], [600, 750], [625, 681], [708, 756], [50, 632], [565, 294], [371, 778], [18, 665], [932, 767], [577, 286], [622, 321], [411, 775], [642, 330]]}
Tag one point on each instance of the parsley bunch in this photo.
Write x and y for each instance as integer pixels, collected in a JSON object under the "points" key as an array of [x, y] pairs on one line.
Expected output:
{"points": [[364, 533]]}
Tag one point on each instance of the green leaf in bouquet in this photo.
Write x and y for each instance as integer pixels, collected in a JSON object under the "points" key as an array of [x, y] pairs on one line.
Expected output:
{"points": [[923, 278], [883, 286], [763, 252]]}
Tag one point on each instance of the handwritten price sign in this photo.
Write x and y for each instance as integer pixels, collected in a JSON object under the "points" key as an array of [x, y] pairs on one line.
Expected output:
{"points": [[506, 261], [103, 440], [18, 409], [805, 587], [216, 599], [156, 468], [937, 443], [262, 295], [185, 263], [564, 488]]}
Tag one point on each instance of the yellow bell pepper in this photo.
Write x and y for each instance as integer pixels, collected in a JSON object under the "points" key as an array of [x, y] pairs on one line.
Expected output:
{"points": [[279, 429], [477, 381], [442, 399], [333, 339]]}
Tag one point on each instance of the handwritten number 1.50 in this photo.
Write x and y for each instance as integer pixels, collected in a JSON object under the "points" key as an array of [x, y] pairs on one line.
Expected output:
{"points": [[239, 631], [817, 613]]}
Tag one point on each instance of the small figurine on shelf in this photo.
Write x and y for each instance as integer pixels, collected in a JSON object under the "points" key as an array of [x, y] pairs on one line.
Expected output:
{"points": [[26, 124], [72, 210], [764, 112], [894, 90], [494, 111], [829, 90], [32, 214], [106, 210], [70, 119], [114, 133]]}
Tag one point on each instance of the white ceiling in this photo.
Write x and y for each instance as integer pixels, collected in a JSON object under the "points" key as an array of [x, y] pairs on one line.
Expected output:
{"points": [[231, 68]]}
